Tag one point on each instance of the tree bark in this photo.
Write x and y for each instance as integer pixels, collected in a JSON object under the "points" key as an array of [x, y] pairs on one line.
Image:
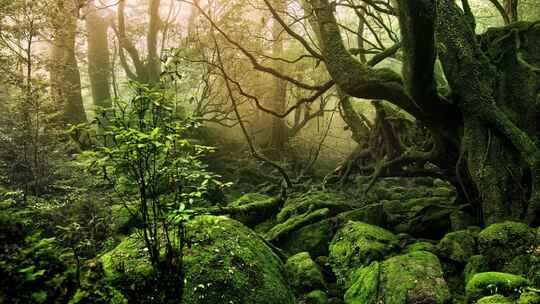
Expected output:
{"points": [[99, 66], [64, 72]]}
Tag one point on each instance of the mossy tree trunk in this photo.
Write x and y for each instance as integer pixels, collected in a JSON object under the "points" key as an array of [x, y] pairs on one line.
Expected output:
{"points": [[487, 120], [99, 66], [64, 72]]}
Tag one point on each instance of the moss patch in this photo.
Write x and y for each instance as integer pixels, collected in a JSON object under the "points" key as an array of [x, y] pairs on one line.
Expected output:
{"points": [[357, 244], [303, 273], [489, 283]]}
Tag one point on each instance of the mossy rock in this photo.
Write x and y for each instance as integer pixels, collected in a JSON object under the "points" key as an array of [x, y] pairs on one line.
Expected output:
{"points": [[315, 238], [421, 246], [415, 277], [495, 299], [489, 283], [476, 264], [314, 297], [458, 246], [427, 217], [225, 263], [529, 297], [358, 244], [313, 200], [249, 198], [303, 273], [502, 242]]}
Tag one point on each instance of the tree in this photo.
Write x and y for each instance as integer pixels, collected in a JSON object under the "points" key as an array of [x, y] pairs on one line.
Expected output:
{"points": [[483, 126], [148, 69], [64, 72], [99, 66]]}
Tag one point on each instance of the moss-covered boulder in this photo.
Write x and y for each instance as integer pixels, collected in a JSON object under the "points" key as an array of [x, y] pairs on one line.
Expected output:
{"points": [[415, 277], [303, 273], [315, 238], [314, 297], [421, 246], [458, 246], [358, 244], [529, 297], [476, 264], [495, 299], [301, 203], [489, 283], [423, 217], [225, 263], [502, 242]]}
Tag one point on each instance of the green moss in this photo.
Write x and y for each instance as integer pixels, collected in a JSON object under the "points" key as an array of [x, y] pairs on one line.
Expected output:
{"points": [[365, 288], [495, 299], [225, 263], [529, 297], [315, 297], [476, 264], [421, 246], [502, 242], [313, 200], [312, 238], [228, 263], [416, 277], [357, 244], [488, 283], [250, 198], [296, 222], [458, 246], [303, 273], [315, 238]]}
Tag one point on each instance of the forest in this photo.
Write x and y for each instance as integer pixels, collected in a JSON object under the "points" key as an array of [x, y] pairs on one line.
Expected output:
{"points": [[270, 151]]}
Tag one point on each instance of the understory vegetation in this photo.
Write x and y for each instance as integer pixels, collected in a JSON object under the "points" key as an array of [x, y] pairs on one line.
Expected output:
{"points": [[270, 151]]}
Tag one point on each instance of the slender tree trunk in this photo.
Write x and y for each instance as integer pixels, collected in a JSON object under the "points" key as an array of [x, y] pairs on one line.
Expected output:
{"points": [[279, 136], [99, 65], [64, 72], [154, 63]]}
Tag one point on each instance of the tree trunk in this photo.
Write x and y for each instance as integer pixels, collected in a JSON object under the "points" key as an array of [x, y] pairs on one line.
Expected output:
{"points": [[279, 136], [99, 66], [64, 72], [494, 80]]}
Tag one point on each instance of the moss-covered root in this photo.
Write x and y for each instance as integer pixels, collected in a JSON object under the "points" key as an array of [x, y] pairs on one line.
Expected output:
{"points": [[250, 209], [495, 299], [358, 244], [415, 277], [489, 283], [295, 223]]}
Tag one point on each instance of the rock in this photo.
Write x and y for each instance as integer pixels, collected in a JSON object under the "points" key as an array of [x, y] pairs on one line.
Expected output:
{"points": [[426, 217], [303, 273], [529, 297], [476, 264], [502, 242], [358, 244], [415, 277], [315, 297], [314, 200], [495, 299], [458, 246], [250, 209], [421, 246], [225, 263], [365, 287], [315, 238], [295, 223], [488, 283]]}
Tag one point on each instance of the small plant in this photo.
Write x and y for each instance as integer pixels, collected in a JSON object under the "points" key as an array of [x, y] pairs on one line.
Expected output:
{"points": [[146, 152]]}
